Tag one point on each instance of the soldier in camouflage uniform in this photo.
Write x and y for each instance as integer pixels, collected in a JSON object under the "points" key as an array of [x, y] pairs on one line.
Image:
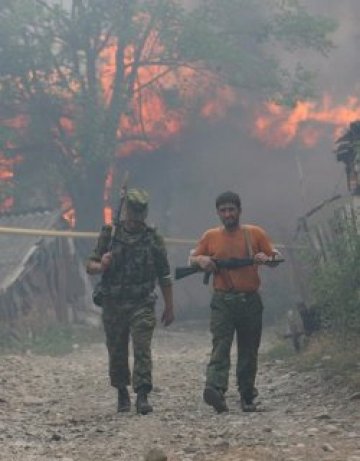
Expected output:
{"points": [[236, 305], [137, 260]]}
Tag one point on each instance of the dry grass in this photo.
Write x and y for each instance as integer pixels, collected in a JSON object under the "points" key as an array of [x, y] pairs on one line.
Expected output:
{"points": [[334, 356]]}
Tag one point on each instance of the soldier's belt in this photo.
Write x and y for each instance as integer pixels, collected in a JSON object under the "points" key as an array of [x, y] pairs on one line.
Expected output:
{"points": [[231, 294]]}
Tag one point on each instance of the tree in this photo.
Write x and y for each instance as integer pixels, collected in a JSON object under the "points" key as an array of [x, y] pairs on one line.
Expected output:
{"points": [[335, 285], [78, 83]]}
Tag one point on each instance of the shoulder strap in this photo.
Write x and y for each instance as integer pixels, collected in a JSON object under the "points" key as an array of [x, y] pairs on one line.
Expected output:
{"points": [[249, 248]]}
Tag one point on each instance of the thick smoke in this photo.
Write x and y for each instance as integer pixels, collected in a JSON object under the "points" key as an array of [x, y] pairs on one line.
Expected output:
{"points": [[339, 73], [276, 185]]}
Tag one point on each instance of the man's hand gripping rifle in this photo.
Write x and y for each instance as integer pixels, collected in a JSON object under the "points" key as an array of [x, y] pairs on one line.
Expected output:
{"points": [[231, 263]]}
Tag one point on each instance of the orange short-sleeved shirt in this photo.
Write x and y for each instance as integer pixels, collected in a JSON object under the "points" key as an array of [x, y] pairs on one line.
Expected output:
{"points": [[221, 244]]}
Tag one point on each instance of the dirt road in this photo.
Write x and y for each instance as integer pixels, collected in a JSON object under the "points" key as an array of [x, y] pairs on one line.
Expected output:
{"points": [[63, 409]]}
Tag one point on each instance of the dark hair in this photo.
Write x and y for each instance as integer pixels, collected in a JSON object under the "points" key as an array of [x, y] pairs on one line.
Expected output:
{"points": [[228, 197]]}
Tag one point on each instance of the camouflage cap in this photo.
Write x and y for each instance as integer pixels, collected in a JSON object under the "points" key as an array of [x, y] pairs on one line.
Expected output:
{"points": [[137, 199]]}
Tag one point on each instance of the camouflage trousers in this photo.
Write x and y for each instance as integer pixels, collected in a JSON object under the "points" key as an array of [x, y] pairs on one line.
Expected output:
{"points": [[230, 313], [122, 321]]}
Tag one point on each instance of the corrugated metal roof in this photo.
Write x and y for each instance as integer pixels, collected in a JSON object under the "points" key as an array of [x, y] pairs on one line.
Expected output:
{"points": [[16, 249]]}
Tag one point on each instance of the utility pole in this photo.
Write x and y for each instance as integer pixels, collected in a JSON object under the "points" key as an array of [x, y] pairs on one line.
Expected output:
{"points": [[301, 183]]}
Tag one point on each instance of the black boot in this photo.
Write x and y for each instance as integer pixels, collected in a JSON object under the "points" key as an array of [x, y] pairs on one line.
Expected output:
{"points": [[143, 407], [215, 398], [247, 401], [124, 403]]}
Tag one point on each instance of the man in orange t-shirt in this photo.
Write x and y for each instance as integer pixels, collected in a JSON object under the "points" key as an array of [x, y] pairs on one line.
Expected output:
{"points": [[236, 305]]}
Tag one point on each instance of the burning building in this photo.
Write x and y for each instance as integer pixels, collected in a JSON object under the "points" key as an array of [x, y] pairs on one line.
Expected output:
{"points": [[324, 222]]}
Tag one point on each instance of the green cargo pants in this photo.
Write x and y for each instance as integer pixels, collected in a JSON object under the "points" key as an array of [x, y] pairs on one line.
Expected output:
{"points": [[242, 313], [120, 323]]}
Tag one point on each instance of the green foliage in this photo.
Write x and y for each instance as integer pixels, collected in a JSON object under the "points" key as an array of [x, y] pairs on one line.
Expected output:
{"points": [[296, 28], [7, 136], [243, 34], [299, 86], [336, 285], [25, 39]]}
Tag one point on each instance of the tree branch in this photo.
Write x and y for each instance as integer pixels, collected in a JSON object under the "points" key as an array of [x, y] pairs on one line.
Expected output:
{"points": [[142, 124], [153, 80], [137, 56]]}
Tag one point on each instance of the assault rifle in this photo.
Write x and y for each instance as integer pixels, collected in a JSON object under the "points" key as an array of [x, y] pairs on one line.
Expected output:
{"points": [[99, 287], [231, 263]]}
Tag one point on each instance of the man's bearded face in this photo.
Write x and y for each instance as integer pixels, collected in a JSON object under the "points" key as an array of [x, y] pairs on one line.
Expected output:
{"points": [[229, 215]]}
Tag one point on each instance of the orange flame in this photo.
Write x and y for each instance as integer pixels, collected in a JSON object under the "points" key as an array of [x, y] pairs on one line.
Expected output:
{"points": [[7, 164], [279, 126], [68, 210], [217, 107], [108, 215], [150, 112], [6, 176]]}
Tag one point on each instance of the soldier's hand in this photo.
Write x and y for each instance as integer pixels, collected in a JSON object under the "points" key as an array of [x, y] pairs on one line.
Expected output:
{"points": [[106, 261], [276, 255], [261, 258], [275, 259], [272, 261], [167, 317], [206, 263]]}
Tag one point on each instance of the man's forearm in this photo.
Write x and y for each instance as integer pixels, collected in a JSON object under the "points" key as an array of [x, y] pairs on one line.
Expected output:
{"points": [[167, 293]]}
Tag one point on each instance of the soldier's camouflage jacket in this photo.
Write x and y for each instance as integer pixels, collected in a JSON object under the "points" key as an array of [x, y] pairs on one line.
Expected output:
{"points": [[139, 260]]}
